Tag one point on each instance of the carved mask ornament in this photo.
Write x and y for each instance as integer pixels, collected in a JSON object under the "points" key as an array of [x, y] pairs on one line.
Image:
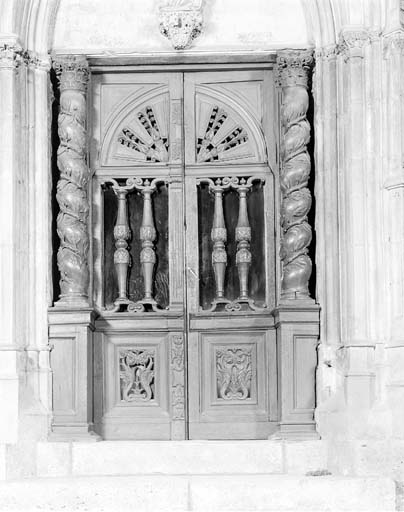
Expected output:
{"points": [[181, 21]]}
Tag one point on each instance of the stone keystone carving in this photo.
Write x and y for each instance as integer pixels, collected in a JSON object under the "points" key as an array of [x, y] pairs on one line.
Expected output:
{"points": [[293, 74], [72, 187], [181, 21]]}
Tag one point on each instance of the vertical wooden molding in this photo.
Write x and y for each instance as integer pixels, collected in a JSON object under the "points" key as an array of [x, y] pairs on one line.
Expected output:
{"points": [[72, 187], [293, 68]]}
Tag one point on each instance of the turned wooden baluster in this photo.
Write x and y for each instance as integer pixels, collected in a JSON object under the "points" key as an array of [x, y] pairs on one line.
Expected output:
{"points": [[243, 237], [219, 237], [147, 237], [121, 255]]}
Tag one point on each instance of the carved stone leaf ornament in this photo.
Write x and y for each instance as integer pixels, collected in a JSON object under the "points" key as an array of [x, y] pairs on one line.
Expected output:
{"points": [[181, 22]]}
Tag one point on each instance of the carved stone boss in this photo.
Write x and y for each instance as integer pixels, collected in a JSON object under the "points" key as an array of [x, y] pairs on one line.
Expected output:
{"points": [[147, 236], [219, 238], [293, 74], [181, 21], [72, 187]]}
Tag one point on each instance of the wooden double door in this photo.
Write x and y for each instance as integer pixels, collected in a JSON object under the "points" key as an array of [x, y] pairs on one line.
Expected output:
{"points": [[184, 247]]}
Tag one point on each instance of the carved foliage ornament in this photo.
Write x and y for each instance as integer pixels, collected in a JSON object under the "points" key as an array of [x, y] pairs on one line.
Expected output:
{"points": [[137, 375], [12, 55], [181, 22], [177, 370], [234, 373], [293, 68], [353, 41]]}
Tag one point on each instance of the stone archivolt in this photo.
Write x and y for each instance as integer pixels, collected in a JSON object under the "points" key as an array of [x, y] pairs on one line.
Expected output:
{"points": [[293, 74], [72, 193]]}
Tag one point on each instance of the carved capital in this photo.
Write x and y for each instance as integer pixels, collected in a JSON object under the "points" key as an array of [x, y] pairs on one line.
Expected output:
{"points": [[327, 52], [72, 72], [181, 21], [393, 43], [352, 41], [35, 61], [293, 67], [10, 56]]}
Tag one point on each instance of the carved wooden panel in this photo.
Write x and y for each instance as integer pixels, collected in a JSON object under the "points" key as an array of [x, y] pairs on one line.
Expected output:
{"points": [[64, 393], [134, 384], [231, 376], [137, 119], [227, 118]]}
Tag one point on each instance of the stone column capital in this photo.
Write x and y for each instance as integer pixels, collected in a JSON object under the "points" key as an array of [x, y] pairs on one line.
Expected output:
{"points": [[393, 42], [72, 71], [352, 41], [10, 56], [293, 67]]}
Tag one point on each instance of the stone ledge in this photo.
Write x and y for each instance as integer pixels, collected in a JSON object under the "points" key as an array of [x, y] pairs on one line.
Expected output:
{"points": [[180, 457], [197, 493]]}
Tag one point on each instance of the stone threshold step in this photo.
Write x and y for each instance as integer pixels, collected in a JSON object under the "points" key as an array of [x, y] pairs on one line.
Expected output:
{"points": [[198, 493], [180, 457]]}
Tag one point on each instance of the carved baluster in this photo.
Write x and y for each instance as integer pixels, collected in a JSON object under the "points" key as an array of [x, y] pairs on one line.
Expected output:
{"points": [[219, 237], [243, 237], [147, 237], [121, 255], [293, 72], [72, 187]]}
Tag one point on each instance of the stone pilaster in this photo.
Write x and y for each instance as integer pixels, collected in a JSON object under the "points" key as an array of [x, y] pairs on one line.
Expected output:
{"points": [[349, 223], [72, 188], [393, 129], [327, 227], [293, 75], [12, 332]]}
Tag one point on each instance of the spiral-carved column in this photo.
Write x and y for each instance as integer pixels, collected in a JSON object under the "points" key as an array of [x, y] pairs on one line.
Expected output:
{"points": [[293, 74], [72, 187]]}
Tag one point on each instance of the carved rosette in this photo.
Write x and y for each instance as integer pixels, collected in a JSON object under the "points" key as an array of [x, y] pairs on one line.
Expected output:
{"points": [[181, 22], [293, 74], [72, 187]]}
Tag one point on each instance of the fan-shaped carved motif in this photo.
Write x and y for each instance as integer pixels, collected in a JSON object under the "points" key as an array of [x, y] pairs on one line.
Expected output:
{"points": [[216, 143], [221, 135], [155, 147], [138, 130]]}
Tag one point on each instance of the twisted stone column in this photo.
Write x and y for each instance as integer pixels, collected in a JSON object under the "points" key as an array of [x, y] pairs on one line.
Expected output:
{"points": [[72, 187], [293, 73]]}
